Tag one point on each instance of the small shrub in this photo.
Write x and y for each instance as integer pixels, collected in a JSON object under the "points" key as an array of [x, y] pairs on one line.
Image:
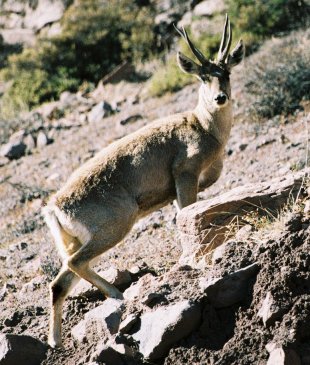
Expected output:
{"points": [[278, 77], [96, 36]]}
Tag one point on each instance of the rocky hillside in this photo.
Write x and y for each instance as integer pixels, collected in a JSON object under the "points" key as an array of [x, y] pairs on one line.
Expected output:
{"points": [[226, 281]]}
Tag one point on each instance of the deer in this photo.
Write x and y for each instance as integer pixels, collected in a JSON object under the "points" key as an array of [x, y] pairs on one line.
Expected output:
{"points": [[172, 158]]}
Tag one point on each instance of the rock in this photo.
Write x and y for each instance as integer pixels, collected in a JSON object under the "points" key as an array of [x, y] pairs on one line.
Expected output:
{"points": [[3, 292], [30, 142], [131, 119], [228, 290], [46, 12], [99, 111], [117, 277], [165, 326], [21, 349], [269, 311], [151, 297], [4, 161], [137, 289], [14, 319], [280, 356], [13, 150], [203, 226], [105, 317], [127, 324], [42, 139], [18, 136], [107, 354], [209, 7]]}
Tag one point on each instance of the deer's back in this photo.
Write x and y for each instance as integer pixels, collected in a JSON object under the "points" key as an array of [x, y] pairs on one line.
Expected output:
{"points": [[140, 165]]}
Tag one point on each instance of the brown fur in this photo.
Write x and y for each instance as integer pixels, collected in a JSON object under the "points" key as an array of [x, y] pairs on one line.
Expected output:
{"points": [[172, 158]]}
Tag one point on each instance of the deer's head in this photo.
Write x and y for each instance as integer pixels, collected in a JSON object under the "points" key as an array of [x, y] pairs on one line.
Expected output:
{"points": [[214, 75]]}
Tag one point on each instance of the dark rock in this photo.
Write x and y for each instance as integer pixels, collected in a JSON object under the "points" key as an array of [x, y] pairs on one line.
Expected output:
{"points": [[127, 324], [13, 150], [20, 349], [165, 326], [228, 290], [131, 119]]}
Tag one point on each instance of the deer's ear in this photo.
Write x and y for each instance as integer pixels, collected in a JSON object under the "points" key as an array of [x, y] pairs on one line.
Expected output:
{"points": [[236, 55], [187, 65]]}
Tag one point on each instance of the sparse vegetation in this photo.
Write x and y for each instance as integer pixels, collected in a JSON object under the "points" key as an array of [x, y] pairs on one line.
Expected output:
{"points": [[96, 36], [279, 76]]}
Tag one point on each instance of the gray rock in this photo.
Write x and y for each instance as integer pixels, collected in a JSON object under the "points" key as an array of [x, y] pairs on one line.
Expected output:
{"points": [[269, 311], [18, 136], [127, 324], [20, 349], [137, 289], [42, 139], [99, 111], [281, 356], [231, 289], [105, 318], [13, 150], [30, 142], [165, 326], [107, 354], [209, 7], [204, 225]]}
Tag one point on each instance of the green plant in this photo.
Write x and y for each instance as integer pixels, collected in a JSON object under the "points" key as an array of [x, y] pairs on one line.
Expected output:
{"points": [[278, 76], [96, 36], [258, 19]]}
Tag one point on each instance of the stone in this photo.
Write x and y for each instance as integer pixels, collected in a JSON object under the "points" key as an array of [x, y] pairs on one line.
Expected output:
{"points": [[18, 136], [209, 8], [165, 326], [228, 290], [137, 289], [204, 225], [106, 318], [99, 111], [269, 311], [42, 139], [46, 12], [110, 353], [13, 150], [127, 324], [131, 119], [281, 356], [21, 349], [3, 292], [30, 142]]}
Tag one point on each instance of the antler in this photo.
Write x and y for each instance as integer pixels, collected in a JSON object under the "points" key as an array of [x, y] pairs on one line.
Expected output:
{"points": [[195, 50], [225, 43]]}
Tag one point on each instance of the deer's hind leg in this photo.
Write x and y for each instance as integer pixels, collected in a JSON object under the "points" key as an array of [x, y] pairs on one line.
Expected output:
{"points": [[61, 286], [114, 226], [59, 289]]}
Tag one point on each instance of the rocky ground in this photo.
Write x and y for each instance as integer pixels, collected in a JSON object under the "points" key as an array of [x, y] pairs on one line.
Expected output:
{"points": [[250, 306]]}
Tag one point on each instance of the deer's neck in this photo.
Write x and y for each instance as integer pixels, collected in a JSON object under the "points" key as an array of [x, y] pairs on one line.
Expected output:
{"points": [[215, 120]]}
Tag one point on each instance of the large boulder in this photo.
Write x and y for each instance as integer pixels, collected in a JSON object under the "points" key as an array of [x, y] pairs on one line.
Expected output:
{"points": [[203, 226], [21, 349], [105, 319], [165, 326]]}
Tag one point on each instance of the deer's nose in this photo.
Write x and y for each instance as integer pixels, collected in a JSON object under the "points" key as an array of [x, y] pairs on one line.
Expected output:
{"points": [[221, 98]]}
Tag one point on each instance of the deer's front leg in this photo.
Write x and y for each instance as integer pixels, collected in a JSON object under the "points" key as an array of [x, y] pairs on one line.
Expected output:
{"points": [[210, 175], [186, 184]]}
